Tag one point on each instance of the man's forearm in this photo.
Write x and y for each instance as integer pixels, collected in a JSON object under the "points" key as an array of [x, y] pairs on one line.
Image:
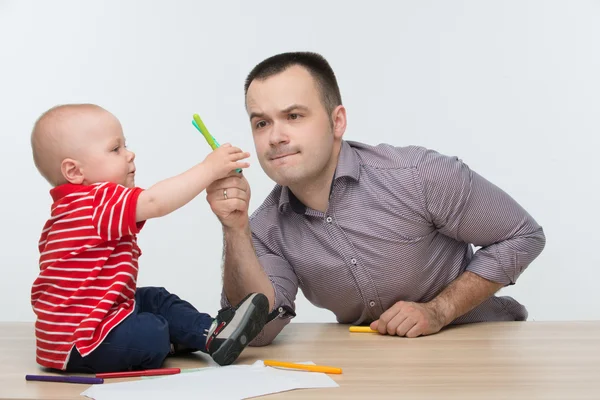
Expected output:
{"points": [[242, 273], [462, 295]]}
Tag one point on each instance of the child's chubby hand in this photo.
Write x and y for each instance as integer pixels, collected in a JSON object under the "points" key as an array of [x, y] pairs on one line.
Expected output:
{"points": [[224, 159]]}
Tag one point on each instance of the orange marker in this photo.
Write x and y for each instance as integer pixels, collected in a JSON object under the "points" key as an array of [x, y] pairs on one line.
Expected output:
{"points": [[362, 329], [305, 367]]}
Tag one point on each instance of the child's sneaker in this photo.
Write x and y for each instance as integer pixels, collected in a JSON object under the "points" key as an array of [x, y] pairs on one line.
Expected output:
{"points": [[235, 327]]}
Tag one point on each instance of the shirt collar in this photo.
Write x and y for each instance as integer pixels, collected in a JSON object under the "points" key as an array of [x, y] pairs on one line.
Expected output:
{"points": [[61, 191], [348, 166]]}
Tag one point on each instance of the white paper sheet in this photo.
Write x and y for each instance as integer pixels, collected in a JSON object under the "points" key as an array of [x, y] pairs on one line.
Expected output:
{"points": [[230, 382]]}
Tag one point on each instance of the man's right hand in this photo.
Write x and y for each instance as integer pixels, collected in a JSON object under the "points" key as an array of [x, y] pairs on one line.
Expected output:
{"points": [[229, 199]]}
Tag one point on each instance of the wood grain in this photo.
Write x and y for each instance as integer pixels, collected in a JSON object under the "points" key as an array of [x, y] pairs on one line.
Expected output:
{"points": [[503, 360]]}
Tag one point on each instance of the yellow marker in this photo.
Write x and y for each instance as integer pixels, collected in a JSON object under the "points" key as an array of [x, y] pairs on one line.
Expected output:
{"points": [[305, 367], [362, 329]]}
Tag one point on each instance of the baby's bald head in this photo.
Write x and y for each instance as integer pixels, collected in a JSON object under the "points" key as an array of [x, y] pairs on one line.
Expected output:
{"points": [[61, 133]]}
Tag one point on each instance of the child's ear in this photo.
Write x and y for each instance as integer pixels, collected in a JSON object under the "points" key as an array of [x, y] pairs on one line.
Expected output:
{"points": [[71, 171]]}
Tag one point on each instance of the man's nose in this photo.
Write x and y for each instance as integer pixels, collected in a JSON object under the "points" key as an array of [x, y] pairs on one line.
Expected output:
{"points": [[277, 135]]}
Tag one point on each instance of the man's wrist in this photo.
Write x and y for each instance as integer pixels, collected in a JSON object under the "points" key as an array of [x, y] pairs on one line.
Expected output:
{"points": [[442, 309], [234, 232]]}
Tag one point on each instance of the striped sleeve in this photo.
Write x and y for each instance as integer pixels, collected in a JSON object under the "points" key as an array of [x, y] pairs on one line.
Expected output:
{"points": [[114, 209], [465, 206]]}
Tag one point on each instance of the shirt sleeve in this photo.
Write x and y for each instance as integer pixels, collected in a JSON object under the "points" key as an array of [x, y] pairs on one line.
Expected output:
{"points": [[114, 209], [285, 284], [468, 208]]}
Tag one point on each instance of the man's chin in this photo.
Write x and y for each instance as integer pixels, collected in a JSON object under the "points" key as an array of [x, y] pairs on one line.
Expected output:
{"points": [[286, 178]]}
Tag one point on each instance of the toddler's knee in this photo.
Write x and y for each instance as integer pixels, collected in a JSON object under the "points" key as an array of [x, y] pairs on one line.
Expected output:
{"points": [[157, 343]]}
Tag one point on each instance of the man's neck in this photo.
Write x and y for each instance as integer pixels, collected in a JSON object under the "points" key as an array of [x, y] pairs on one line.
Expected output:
{"points": [[315, 194]]}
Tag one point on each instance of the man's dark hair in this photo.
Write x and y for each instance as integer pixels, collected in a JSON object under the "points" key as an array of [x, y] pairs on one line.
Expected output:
{"points": [[315, 63]]}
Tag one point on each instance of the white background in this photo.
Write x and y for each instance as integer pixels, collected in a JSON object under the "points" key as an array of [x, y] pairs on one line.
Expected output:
{"points": [[510, 87]]}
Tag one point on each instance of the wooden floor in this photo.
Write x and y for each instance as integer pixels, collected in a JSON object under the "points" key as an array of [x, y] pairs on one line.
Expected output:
{"points": [[515, 360]]}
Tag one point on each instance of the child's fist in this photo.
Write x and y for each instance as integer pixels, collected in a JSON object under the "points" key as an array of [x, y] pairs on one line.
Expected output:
{"points": [[224, 159]]}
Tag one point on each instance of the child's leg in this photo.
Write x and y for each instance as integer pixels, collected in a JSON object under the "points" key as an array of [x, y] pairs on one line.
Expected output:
{"points": [[223, 337], [187, 326], [141, 341]]}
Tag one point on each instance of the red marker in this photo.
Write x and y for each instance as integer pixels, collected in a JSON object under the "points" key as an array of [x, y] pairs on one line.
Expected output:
{"points": [[147, 372]]}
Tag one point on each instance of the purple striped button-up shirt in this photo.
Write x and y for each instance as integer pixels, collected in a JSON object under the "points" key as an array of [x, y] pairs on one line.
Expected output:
{"points": [[400, 225]]}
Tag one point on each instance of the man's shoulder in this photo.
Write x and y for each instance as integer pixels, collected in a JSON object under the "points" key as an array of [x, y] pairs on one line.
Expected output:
{"points": [[388, 156]]}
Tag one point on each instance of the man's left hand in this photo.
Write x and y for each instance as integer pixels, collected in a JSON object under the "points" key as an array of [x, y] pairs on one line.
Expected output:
{"points": [[409, 319]]}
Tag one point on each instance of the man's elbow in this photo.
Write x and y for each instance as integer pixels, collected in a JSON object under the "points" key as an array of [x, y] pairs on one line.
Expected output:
{"points": [[538, 241], [269, 332], [530, 248], [264, 338], [261, 342]]}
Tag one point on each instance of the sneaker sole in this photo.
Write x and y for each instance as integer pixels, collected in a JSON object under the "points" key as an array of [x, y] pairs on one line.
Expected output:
{"points": [[252, 322]]}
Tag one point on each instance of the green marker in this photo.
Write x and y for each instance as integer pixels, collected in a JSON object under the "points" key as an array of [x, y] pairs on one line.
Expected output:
{"points": [[212, 142], [202, 128]]}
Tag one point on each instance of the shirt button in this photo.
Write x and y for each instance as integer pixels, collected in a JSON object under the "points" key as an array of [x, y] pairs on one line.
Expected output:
{"points": [[329, 219], [372, 303], [353, 261]]}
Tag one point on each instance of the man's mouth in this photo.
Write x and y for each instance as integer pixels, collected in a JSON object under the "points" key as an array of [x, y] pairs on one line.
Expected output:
{"points": [[279, 156]]}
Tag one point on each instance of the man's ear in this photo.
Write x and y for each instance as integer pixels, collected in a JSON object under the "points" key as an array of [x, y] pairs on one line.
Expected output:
{"points": [[338, 119], [71, 171]]}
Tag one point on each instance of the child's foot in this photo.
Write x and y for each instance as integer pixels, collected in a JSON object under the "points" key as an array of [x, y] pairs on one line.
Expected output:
{"points": [[235, 327]]}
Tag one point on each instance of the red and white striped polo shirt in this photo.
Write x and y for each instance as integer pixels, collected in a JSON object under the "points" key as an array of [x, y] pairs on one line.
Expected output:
{"points": [[88, 269]]}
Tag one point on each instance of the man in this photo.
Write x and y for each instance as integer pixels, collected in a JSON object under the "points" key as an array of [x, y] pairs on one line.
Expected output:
{"points": [[376, 234]]}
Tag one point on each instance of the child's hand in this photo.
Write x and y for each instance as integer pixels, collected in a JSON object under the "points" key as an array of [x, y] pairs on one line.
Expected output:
{"points": [[221, 161]]}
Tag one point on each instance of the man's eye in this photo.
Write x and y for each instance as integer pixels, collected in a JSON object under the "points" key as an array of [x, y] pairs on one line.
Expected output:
{"points": [[261, 124], [294, 116], [116, 149]]}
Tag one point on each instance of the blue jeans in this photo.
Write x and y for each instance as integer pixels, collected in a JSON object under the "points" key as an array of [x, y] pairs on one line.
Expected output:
{"points": [[143, 339]]}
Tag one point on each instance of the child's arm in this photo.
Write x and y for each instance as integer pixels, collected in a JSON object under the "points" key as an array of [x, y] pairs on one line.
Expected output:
{"points": [[170, 194]]}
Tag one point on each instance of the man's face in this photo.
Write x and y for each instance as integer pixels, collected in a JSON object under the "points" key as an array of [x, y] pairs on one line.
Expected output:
{"points": [[292, 131]]}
